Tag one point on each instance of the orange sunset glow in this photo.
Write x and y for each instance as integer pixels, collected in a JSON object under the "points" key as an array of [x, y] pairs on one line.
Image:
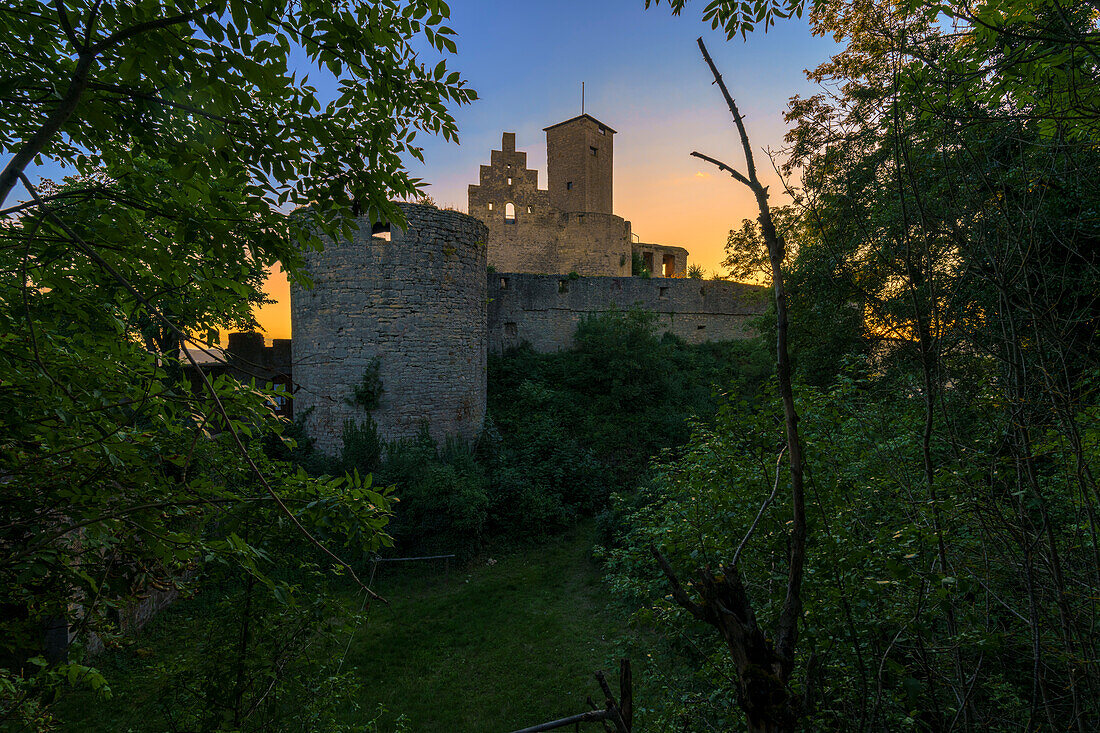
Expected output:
{"points": [[648, 82]]}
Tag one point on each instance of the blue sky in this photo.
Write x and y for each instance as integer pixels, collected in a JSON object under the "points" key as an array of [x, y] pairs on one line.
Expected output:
{"points": [[645, 78]]}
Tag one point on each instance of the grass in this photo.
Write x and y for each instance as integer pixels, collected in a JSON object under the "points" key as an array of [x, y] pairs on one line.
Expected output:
{"points": [[508, 642], [500, 647]]}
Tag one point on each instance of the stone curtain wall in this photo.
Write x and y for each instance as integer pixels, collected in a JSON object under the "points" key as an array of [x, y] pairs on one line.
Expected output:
{"points": [[418, 304], [544, 310]]}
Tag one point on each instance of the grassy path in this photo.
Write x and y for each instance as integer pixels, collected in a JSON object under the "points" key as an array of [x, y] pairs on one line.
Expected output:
{"points": [[501, 645]]}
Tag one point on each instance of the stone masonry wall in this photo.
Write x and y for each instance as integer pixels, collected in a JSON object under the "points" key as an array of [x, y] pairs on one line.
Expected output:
{"points": [[533, 235], [417, 302], [580, 165], [544, 310], [655, 254]]}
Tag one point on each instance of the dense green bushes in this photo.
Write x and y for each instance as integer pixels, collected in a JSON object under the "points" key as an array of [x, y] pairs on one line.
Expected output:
{"points": [[565, 430], [883, 619]]}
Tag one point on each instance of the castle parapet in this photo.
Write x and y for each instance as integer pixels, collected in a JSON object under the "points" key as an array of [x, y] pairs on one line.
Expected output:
{"points": [[544, 310]]}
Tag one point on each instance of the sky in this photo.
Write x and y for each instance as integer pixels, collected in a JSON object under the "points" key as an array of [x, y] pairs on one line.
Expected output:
{"points": [[645, 78]]}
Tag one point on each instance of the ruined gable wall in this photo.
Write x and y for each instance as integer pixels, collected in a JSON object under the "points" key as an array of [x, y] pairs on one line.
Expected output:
{"points": [[657, 253], [541, 238]]}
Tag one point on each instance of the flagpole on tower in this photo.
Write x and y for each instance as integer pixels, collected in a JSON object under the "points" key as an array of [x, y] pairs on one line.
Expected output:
{"points": [[582, 97]]}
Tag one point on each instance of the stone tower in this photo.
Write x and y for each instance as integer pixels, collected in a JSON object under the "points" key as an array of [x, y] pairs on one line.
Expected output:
{"points": [[579, 164], [528, 231], [412, 302]]}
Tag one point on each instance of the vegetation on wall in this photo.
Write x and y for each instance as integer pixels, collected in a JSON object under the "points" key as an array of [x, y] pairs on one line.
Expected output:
{"points": [[367, 395], [565, 430]]}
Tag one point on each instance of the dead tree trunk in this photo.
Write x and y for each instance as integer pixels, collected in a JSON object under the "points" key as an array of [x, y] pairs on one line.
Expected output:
{"points": [[617, 716], [764, 669]]}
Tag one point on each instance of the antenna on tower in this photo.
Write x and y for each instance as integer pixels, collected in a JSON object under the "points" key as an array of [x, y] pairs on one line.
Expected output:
{"points": [[582, 97]]}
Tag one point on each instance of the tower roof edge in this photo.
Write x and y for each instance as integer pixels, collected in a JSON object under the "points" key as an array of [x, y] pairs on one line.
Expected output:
{"points": [[578, 117]]}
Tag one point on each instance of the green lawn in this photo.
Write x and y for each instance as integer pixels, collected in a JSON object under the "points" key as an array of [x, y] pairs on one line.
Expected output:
{"points": [[494, 647], [500, 647]]}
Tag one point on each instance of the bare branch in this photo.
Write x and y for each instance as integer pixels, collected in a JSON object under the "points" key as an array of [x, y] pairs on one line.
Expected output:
{"points": [[723, 167], [737, 118]]}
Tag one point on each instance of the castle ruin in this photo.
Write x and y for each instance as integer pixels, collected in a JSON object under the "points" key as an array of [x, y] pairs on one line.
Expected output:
{"points": [[570, 226], [422, 306]]}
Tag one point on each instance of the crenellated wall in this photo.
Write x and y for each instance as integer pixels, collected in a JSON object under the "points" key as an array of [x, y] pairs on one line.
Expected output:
{"points": [[544, 310]]}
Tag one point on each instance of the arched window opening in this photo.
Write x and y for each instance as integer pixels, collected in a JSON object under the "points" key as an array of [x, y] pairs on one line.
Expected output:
{"points": [[510, 212]]}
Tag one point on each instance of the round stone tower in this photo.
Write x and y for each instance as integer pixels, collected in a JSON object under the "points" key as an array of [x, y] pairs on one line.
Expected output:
{"points": [[406, 305]]}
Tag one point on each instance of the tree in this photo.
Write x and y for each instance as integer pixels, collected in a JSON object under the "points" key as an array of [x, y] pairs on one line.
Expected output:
{"points": [[945, 206], [764, 662], [187, 128]]}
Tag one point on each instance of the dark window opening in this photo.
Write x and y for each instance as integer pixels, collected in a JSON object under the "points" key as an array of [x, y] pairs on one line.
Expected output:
{"points": [[593, 150], [603, 130], [569, 186], [699, 327], [563, 286], [663, 293], [381, 230], [669, 265]]}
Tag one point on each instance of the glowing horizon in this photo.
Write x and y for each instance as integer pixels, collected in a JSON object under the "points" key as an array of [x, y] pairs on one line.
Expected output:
{"points": [[645, 79]]}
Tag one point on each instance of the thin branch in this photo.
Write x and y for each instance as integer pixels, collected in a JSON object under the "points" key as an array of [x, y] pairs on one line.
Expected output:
{"points": [[151, 25], [723, 167], [66, 26], [592, 716], [678, 592], [151, 97], [759, 514], [737, 118]]}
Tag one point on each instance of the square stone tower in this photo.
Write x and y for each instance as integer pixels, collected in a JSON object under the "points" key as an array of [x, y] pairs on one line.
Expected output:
{"points": [[579, 158]]}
